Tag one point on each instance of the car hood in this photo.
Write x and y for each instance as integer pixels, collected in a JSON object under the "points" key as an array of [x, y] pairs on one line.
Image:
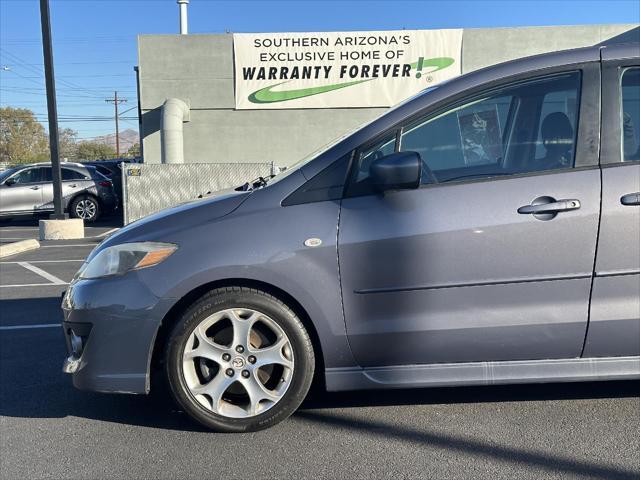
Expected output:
{"points": [[162, 224]]}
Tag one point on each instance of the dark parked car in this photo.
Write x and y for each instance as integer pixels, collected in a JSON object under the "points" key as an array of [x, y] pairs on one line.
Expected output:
{"points": [[28, 190], [112, 169], [486, 231]]}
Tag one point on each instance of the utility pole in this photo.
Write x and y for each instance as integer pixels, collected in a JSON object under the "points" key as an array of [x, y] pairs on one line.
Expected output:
{"points": [[52, 111], [115, 100]]}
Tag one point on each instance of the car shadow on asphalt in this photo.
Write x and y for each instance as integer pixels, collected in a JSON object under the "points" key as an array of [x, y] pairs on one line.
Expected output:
{"points": [[43, 391], [475, 394], [108, 221], [549, 463]]}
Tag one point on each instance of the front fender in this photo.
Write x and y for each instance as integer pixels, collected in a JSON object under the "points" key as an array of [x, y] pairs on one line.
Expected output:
{"points": [[266, 245]]}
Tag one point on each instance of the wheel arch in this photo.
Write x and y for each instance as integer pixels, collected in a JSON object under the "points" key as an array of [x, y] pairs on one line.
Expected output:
{"points": [[83, 193], [184, 302]]}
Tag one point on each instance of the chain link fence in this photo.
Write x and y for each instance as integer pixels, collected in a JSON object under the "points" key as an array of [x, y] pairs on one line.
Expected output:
{"points": [[149, 188]]}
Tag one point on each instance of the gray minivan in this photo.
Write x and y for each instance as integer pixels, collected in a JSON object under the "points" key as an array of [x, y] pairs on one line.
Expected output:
{"points": [[485, 231]]}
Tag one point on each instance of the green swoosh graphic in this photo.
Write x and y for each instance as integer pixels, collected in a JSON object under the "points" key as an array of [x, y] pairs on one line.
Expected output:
{"points": [[438, 63], [267, 95]]}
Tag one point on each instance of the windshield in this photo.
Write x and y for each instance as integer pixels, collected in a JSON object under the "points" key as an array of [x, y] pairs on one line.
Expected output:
{"points": [[327, 146], [7, 173]]}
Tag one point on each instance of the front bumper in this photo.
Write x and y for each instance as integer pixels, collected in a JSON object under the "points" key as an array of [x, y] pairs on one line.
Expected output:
{"points": [[109, 201], [110, 327]]}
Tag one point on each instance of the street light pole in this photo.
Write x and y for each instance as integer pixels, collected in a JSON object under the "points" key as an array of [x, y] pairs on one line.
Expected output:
{"points": [[52, 111]]}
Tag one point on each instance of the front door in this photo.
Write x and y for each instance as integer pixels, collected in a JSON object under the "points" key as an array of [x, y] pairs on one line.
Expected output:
{"points": [[22, 192], [472, 266]]}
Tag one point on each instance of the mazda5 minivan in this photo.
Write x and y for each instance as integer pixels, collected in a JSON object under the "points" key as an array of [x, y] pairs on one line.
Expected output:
{"points": [[486, 231]]}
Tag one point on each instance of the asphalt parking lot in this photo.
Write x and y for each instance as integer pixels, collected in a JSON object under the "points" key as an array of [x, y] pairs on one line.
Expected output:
{"points": [[50, 430]]}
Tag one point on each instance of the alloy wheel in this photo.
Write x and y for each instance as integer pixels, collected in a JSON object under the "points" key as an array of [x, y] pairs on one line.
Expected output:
{"points": [[86, 209], [238, 363]]}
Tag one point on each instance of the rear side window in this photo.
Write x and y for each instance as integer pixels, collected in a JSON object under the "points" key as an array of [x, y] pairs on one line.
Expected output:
{"points": [[522, 128], [631, 115], [68, 174], [104, 171]]}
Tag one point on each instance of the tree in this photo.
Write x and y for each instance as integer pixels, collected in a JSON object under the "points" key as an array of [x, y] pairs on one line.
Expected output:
{"points": [[22, 137], [134, 150], [67, 144], [94, 151]]}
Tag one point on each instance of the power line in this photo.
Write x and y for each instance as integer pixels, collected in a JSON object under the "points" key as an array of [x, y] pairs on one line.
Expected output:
{"points": [[89, 76], [41, 72], [130, 62], [31, 92], [73, 40], [128, 110], [98, 88], [68, 103]]}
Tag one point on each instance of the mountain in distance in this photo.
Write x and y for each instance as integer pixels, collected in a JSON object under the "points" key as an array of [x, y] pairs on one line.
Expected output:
{"points": [[127, 138]]}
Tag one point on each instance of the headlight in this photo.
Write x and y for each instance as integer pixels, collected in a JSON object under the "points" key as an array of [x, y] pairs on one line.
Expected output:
{"points": [[125, 257]]}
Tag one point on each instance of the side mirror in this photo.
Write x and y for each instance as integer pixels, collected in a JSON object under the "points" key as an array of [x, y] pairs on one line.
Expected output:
{"points": [[397, 171], [10, 181]]}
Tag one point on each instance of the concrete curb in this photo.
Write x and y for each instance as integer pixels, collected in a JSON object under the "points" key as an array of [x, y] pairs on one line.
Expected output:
{"points": [[18, 247]]}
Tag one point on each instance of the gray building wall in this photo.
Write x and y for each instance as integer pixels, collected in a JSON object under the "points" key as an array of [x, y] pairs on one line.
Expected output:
{"points": [[199, 70]]}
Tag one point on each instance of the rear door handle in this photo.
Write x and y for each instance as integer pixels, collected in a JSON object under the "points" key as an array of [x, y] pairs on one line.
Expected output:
{"points": [[73, 186], [551, 207], [35, 188], [630, 199]]}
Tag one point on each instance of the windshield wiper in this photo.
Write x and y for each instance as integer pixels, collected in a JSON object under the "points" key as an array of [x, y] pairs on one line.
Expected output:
{"points": [[255, 183]]}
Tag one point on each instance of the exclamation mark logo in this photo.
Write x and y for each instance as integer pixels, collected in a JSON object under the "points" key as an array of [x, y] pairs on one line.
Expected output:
{"points": [[419, 67]]}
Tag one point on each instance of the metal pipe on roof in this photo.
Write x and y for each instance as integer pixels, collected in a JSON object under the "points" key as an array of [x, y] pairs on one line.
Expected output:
{"points": [[184, 27]]}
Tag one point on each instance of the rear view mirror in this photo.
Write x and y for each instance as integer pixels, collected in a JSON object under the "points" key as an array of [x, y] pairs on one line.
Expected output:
{"points": [[397, 171]]}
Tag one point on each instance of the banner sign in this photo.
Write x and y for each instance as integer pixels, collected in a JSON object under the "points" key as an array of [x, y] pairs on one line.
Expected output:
{"points": [[341, 69]]}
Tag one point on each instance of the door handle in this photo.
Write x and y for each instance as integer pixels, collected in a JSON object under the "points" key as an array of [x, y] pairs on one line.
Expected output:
{"points": [[35, 188], [73, 186], [630, 199], [550, 207]]}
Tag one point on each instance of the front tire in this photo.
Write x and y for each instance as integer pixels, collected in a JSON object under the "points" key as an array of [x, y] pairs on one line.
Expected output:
{"points": [[239, 360], [85, 207]]}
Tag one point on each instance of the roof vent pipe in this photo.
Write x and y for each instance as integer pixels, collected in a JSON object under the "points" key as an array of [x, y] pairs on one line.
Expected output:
{"points": [[174, 113], [184, 27]]}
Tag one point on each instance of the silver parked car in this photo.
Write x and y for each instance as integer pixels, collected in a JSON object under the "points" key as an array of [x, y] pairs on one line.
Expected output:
{"points": [[28, 190], [486, 231]]}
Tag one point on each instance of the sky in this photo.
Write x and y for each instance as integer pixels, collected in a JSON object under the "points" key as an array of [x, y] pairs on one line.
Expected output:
{"points": [[95, 48]]}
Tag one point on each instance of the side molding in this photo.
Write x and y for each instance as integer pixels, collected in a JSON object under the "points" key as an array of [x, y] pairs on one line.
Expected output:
{"points": [[484, 373]]}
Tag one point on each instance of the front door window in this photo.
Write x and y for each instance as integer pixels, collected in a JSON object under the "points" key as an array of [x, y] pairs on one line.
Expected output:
{"points": [[523, 128]]}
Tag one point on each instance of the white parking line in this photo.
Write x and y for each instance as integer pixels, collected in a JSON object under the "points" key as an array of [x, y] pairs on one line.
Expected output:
{"points": [[25, 327], [102, 235], [42, 273], [48, 261], [74, 245]]}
